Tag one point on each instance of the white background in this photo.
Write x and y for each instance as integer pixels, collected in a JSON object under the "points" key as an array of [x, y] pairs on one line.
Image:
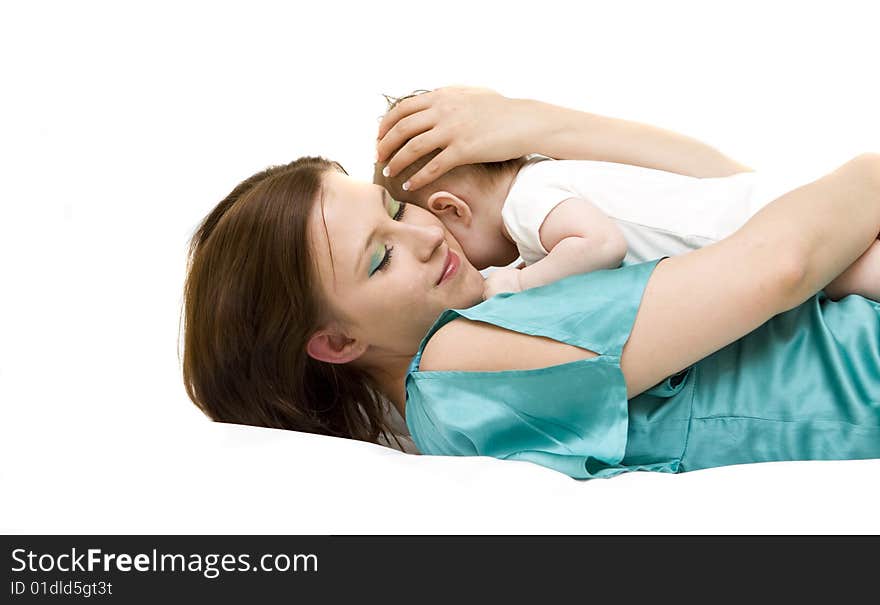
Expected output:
{"points": [[121, 125]]}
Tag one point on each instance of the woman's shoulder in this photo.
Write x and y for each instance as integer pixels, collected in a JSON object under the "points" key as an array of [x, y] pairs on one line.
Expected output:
{"points": [[578, 317], [475, 346]]}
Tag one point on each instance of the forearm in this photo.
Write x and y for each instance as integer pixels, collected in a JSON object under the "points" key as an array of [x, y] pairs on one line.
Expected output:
{"points": [[579, 135], [571, 256], [832, 226], [698, 302]]}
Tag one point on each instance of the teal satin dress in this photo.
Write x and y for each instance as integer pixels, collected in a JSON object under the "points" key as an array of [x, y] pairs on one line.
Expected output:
{"points": [[803, 386]]}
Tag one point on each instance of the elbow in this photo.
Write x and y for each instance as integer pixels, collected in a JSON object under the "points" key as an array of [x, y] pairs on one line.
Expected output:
{"points": [[613, 247], [789, 276], [617, 248], [610, 247], [792, 278], [777, 268], [798, 263], [868, 166]]}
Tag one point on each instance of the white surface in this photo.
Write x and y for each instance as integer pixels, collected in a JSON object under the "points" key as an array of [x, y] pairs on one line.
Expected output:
{"points": [[214, 478], [120, 129]]}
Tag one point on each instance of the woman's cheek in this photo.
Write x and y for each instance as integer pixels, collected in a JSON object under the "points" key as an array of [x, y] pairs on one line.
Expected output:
{"points": [[411, 296]]}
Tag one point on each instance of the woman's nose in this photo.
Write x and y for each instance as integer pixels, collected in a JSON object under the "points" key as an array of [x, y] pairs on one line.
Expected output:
{"points": [[427, 238]]}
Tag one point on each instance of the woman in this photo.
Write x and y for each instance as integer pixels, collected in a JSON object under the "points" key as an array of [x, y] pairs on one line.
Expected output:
{"points": [[312, 299]]}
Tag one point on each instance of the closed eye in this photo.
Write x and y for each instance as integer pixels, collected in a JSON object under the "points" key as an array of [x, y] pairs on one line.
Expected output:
{"points": [[386, 259], [400, 210]]}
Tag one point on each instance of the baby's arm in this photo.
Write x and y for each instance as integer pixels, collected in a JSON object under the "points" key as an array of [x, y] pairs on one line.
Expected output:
{"points": [[862, 277], [578, 237]]}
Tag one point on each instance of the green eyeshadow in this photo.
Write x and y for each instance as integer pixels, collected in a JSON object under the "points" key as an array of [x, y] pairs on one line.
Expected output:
{"points": [[376, 258]]}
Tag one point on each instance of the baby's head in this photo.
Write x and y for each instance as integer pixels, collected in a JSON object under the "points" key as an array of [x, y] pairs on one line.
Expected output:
{"points": [[468, 200]]}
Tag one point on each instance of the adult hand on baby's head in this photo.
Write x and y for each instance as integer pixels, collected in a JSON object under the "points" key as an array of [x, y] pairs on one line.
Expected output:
{"points": [[501, 280], [470, 125]]}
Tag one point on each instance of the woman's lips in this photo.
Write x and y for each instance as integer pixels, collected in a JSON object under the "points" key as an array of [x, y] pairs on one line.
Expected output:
{"points": [[450, 267]]}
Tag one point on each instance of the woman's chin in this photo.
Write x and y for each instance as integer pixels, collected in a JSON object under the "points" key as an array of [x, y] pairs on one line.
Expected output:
{"points": [[472, 284]]}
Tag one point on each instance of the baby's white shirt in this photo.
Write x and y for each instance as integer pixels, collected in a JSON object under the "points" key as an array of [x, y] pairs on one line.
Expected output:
{"points": [[660, 213]]}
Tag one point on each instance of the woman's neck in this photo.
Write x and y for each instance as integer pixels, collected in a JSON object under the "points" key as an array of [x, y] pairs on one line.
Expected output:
{"points": [[389, 371]]}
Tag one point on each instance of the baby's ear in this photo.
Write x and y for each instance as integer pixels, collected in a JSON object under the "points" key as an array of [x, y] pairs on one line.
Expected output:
{"points": [[449, 207]]}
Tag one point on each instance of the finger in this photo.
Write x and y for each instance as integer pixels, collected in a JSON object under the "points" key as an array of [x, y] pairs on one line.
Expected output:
{"points": [[403, 109], [415, 148], [407, 128], [442, 163]]}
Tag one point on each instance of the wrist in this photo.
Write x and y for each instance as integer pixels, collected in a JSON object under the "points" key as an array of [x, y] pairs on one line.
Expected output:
{"points": [[536, 121], [529, 126], [520, 281], [562, 133]]}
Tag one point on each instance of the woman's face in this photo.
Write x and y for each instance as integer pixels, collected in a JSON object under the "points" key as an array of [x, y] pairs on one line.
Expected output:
{"points": [[388, 269]]}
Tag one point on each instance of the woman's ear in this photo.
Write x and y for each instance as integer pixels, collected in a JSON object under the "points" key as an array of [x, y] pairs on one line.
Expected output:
{"points": [[450, 208], [334, 347]]}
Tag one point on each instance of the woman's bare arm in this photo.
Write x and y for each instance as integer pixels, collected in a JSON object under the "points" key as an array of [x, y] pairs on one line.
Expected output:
{"points": [[697, 303], [585, 136], [475, 125]]}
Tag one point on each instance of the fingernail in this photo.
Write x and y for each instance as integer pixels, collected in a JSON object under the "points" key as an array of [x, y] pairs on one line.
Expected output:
{"points": [[406, 186], [385, 171]]}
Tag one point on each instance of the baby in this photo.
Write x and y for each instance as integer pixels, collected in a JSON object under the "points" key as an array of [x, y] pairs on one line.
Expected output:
{"points": [[567, 217]]}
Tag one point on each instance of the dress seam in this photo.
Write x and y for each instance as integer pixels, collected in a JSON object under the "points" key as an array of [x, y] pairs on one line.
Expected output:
{"points": [[782, 420], [687, 437]]}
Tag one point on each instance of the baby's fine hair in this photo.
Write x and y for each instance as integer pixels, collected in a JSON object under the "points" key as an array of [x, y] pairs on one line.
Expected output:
{"points": [[486, 172]]}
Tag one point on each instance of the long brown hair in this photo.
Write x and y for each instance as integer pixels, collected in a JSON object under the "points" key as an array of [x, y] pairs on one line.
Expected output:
{"points": [[250, 305]]}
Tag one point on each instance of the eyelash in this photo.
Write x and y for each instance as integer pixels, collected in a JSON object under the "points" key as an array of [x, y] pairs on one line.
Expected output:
{"points": [[387, 258], [400, 210]]}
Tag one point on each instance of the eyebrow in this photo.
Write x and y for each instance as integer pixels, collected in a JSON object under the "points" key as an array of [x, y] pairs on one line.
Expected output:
{"points": [[382, 197]]}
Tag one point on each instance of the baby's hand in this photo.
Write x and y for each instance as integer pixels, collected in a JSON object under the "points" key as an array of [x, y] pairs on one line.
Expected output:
{"points": [[501, 280]]}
